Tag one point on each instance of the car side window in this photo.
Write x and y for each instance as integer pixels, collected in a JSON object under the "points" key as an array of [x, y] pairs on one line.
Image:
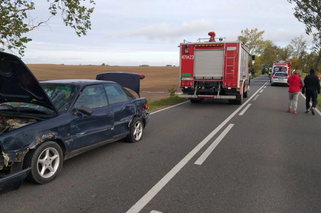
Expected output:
{"points": [[115, 93], [129, 95], [92, 96]]}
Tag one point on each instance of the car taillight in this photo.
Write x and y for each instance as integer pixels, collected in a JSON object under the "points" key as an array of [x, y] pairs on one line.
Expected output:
{"points": [[275, 76], [145, 106], [287, 77]]}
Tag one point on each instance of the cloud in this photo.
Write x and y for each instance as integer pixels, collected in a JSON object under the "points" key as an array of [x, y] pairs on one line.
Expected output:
{"points": [[169, 30], [149, 32]]}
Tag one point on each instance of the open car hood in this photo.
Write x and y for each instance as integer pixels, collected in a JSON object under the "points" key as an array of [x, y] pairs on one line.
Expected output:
{"points": [[125, 79], [18, 84]]}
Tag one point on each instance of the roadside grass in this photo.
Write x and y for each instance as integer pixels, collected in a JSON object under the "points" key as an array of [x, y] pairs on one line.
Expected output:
{"points": [[156, 105]]}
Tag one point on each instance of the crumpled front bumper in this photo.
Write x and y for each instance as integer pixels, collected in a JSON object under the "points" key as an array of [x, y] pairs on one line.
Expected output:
{"points": [[13, 181]]}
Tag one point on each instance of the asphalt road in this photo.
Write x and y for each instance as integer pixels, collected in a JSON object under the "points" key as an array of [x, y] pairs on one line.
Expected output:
{"points": [[207, 157]]}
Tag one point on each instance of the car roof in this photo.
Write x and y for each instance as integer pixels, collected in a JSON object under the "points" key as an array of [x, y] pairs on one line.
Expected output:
{"points": [[80, 82]]}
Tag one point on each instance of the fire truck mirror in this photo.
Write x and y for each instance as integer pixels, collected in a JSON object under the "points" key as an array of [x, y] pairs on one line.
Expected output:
{"points": [[253, 59]]}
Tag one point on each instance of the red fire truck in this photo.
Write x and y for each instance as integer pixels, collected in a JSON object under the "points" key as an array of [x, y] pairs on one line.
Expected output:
{"points": [[282, 66], [214, 70]]}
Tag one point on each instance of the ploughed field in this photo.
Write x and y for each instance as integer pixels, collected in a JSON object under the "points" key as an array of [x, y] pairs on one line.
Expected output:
{"points": [[155, 86]]}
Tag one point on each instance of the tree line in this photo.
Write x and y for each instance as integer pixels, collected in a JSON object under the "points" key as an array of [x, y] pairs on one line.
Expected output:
{"points": [[297, 51], [266, 52]]}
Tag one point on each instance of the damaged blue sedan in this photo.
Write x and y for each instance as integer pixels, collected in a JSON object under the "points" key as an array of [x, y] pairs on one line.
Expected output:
{"points": [[44, 123]]}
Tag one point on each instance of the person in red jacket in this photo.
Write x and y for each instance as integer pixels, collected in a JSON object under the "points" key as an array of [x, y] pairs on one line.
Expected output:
{"points": [[295, 85]]}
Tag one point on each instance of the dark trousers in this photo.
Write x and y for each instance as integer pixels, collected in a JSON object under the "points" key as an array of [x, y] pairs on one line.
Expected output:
{"points": [[311, 94]]}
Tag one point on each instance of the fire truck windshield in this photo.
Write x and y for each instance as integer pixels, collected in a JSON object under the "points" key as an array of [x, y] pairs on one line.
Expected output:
{"points": [[279, 69]]}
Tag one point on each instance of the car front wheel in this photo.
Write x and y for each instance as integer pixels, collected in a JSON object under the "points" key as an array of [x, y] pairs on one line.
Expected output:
{"points": [[136, 130], [45, 162]]}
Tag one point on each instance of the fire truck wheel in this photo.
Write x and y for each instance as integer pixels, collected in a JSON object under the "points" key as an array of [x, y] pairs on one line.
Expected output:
{"points": [[245, 93], [231, 101], [195, 100], [239, 99]]}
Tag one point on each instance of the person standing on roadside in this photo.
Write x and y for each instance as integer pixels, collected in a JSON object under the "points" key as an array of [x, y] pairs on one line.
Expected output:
{"points": [[311, 88], [253, 72], [295, 85]]}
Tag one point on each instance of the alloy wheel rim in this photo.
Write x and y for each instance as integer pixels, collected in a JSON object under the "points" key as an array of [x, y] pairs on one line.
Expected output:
{"points": [[48, 162], [138, 130]]}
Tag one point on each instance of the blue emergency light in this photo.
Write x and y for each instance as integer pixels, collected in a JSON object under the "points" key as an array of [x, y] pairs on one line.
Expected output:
{"points": [[186, 48]]}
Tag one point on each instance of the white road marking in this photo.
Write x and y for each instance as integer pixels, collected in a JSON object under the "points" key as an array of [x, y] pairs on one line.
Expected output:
{"points": [[257, 80], [244, 110], [210, 149], [264, 87], [153, 211], [140, 204], [254, 99], [169, 107], [261, 91]]}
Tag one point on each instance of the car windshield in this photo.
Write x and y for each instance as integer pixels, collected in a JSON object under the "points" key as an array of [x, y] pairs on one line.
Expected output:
{"points": [[60, 95]]}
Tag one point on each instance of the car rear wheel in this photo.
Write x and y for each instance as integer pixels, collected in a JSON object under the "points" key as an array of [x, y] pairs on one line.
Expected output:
{"points": [[45, 162], [136, 131]]}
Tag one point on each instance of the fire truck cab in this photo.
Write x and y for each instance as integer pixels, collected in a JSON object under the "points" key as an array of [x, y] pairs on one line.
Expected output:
{"points": [[214, 69]]}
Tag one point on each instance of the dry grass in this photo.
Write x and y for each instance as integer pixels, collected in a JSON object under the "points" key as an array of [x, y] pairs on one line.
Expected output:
{"points": [[155, 86]]}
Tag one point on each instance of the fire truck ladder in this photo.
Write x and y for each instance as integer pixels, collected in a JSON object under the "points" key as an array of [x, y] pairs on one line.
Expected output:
{"points": [[231, 53]]}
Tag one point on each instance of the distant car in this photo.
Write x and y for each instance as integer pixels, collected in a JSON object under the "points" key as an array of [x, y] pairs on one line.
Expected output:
{"points": [[279, 78], [44, 123]]}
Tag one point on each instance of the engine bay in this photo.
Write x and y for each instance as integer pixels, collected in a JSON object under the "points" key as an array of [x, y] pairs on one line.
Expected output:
{"points": [[8, 124]]}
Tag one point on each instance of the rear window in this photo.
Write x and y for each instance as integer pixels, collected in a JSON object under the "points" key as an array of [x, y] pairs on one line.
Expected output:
{"points": [[281, 74]]}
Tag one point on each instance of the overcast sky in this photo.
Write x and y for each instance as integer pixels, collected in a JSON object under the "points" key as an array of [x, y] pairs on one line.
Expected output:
{"points": [[131, 33]]}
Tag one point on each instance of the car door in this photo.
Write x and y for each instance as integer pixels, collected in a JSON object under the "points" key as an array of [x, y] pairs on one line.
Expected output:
{"points": [[123, 109], [88, 130]]}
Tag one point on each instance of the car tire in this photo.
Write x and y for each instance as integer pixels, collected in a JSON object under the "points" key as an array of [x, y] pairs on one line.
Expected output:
{"points": [[45, 163], [136, 130]]}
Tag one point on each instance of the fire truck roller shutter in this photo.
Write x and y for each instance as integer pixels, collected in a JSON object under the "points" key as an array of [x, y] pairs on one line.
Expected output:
{"points": [[208, 64]]}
